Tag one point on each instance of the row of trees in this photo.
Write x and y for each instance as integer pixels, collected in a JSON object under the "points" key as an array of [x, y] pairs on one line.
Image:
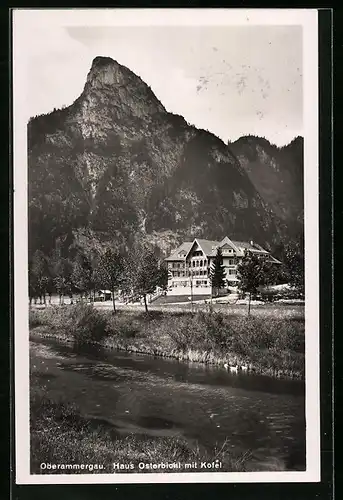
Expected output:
{"points": [[137, 274], [132, 275]]}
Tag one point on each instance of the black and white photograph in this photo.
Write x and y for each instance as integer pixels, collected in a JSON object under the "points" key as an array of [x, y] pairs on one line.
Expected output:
{"points": [[166, 245]]}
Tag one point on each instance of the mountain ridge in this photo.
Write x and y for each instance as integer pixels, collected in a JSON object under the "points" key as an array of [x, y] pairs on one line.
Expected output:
{"points": [[276, 172], [116, 163]]}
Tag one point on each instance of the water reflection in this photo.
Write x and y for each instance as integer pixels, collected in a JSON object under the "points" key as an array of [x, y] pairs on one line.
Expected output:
{"points": [[180, 371], [141, 394]]}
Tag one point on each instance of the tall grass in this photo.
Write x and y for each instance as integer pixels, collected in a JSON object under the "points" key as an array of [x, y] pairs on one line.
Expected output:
{"points": [[272, 345], [61, 435], [81, 322]]}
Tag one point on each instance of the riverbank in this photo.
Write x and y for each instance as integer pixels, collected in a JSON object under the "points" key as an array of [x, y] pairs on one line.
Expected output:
{"points": [[270, 345], [63, 441]]}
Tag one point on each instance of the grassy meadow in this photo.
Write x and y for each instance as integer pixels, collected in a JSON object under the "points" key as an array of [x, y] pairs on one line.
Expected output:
{"points": [[270, 341]]}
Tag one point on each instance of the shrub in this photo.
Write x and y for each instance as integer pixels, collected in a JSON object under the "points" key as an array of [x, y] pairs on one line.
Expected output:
{"points": [[35, 318], [122, 326], [252, 334], [55, 317], [267, 296], [85, 323], [202, 331], [215, 329], [183, 333]]}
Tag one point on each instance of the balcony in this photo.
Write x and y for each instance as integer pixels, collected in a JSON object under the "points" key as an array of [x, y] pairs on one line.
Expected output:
{"points": [[172, 266], [194, 264]]}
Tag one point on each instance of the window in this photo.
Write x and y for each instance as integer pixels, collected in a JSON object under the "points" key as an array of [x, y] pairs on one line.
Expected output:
{"points": [[193, 263], [201, 263], [227, 251], [232, 271], [231, 262]]}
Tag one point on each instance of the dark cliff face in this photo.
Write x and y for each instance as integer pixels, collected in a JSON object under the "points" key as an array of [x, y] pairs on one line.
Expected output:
{"points": [[277, 175], [117, 163]]}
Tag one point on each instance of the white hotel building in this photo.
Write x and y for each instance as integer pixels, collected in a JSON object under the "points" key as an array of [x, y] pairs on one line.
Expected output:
{"points": [[189, 265]]}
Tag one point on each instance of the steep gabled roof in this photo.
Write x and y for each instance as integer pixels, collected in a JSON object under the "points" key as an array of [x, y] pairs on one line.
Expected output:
{"points": [[186, 246], [207, 245], [227, 241], [245, 245]]}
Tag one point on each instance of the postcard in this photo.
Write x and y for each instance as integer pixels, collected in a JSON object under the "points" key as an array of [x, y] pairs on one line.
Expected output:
{"points": [[166, 271]]}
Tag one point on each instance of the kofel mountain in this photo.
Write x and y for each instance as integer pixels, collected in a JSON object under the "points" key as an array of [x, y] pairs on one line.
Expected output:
{"points": [[116, 166]]}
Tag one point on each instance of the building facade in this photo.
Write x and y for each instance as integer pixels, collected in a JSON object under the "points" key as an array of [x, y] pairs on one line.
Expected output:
{"points": [[189, 265]]}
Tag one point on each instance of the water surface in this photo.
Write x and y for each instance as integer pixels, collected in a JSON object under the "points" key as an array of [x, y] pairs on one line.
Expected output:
{"points": [[141, 394]]}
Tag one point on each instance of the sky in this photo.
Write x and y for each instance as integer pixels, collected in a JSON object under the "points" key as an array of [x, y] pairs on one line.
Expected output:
{"points": [[230, 80]]}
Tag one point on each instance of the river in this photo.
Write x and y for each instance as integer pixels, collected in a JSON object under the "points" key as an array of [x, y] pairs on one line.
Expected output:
{"points": [[141, 394]]}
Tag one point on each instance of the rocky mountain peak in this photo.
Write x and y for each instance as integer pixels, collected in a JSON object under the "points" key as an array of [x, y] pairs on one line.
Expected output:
{"points": [[119, 84], [106, 71], [116, 163]]}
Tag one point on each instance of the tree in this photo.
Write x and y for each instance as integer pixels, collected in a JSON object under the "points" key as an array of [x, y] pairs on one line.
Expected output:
{"points": [[32, 284], [110, 271], [39, 275], [217, 272], [82, 274], [50, 288], [146, 274], [62, 270], [294, 262], [252, 272], [163, 276]]}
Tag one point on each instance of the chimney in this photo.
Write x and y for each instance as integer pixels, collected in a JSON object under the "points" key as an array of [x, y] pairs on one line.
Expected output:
{"points": [[252, 243]]}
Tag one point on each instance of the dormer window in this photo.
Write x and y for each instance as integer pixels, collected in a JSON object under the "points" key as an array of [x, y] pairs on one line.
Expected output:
{"points": [[227, 251]]}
